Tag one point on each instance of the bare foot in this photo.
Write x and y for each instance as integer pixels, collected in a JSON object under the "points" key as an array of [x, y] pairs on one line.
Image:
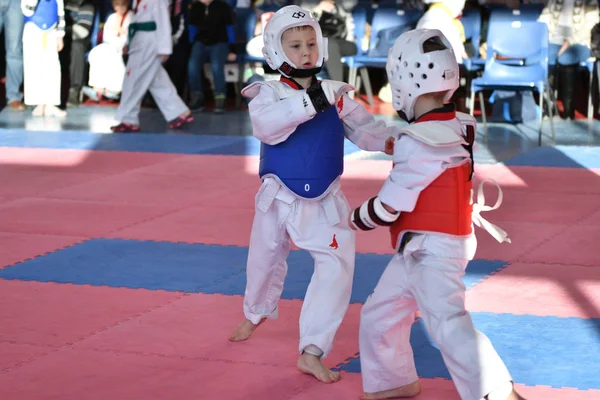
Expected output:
{"points": [[244, 330], [312, 365], [410, 390]]}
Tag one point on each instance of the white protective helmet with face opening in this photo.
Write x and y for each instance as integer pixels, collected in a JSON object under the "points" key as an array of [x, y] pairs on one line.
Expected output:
{"points": [[413, 70], [284, 19]]}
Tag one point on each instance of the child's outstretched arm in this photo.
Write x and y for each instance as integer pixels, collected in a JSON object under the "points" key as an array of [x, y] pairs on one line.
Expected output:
{"points": [[416, 165], [363, 130]]}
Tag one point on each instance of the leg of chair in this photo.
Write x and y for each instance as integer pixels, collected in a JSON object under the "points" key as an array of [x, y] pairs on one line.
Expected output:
{"points": [[550, 110], [541, 118], [483, 116], [364, 74], [590, 113], [358, 84], [352, 80], [472, 103]]}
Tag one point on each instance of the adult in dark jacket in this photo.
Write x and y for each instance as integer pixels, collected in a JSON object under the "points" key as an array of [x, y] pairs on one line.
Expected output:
{"points": [[212, 37]]}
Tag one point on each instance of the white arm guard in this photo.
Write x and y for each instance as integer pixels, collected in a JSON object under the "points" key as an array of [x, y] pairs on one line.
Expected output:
{"points": [[372, 214]]}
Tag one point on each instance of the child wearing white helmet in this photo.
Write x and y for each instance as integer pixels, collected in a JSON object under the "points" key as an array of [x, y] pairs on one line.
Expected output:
{"points": [[301, 123], [426, 202]]}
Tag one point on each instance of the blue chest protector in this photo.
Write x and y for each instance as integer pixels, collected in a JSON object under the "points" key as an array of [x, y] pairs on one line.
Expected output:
{"points": [[311, 158], [45, 15]]}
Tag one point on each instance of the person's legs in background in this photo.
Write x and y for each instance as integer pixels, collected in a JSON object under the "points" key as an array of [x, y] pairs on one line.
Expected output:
{"points": [[195, 64], [13, 37], [568, 64], [218, 58]]}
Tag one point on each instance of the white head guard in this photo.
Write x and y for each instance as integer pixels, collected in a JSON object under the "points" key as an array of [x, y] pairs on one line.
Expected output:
{"points": [[412, 71], [284, 19]]}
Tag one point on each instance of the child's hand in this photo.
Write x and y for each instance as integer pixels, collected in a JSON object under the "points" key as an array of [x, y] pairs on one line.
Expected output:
{"points": [[333, 90], [163, 57], [231, 57], [389, 146], [59, 43]]}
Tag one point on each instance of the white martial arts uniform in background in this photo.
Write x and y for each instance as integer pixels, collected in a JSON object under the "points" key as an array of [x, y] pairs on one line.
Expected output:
{"points": [[430, 190], [107, 68], [150, 36], [43, 31], [443, 15]]}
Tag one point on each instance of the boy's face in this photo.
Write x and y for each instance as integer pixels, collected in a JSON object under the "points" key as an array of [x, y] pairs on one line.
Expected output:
{"points": [[300, 46]]}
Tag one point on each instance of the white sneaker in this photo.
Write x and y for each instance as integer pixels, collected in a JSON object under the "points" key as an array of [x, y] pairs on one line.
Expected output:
{"points": [[53, 111], [39, 110]]}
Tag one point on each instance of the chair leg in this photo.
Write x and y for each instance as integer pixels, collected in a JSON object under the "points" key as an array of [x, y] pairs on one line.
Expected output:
{"points": [[472, 103], [483, 116], [590, 110], [364, 74], [352, 80], [550, 105], [358, 84], [541, 117]]}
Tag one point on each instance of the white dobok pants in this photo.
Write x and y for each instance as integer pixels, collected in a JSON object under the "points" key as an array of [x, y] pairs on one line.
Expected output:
{"points": [[321, 228], [426, 276]]}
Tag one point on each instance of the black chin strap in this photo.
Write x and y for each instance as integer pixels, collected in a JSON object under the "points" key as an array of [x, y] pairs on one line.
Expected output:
{"points": [[402, 115], [288, 70]]}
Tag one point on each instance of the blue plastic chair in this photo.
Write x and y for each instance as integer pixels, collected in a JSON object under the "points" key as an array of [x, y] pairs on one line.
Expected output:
{"points": [[399, 21], [531, 73], [471, 21], [525, 13]]}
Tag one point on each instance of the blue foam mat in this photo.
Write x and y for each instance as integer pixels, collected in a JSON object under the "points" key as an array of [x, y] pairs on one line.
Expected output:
{"points": [[550, 351], [192, 268]]}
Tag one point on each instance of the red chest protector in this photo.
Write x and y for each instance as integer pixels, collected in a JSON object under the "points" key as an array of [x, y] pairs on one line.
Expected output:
{"points": [[445, 206]]}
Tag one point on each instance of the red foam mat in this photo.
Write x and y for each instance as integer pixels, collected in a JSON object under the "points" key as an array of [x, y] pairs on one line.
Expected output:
{"points": [[82, 161], [79, 374], [14, 354], [572, 291], [564, 180], [199, 325], [17, 247], [93, 375], [225, 226], [576, 245], [23, 182], [74, 218], [52, 314]]}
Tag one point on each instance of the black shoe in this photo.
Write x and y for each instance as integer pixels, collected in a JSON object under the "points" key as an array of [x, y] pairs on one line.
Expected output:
{"points": [[219, 105], [196, 102], [74, 98]]}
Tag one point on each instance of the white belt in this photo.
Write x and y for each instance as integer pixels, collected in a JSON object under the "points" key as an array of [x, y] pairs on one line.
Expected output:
{"points": [[271, 191], [498, 233]]}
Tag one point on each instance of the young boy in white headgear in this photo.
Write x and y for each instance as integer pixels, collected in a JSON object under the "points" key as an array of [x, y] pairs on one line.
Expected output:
{"points": [[301, 123], [426, 201]]}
